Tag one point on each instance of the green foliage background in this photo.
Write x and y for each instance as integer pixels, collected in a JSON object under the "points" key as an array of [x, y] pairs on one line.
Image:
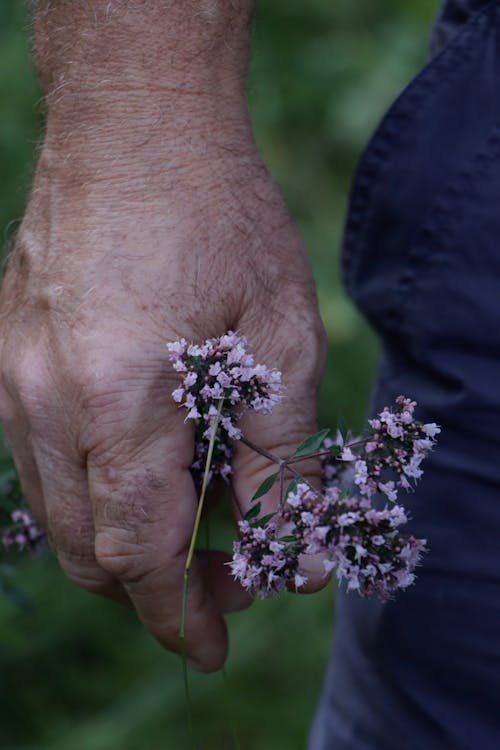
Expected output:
{"points": [[79, 673]]}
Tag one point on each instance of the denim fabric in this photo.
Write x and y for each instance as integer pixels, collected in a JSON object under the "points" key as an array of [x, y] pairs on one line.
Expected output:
{"points": [[422, 261], [454, 15]]}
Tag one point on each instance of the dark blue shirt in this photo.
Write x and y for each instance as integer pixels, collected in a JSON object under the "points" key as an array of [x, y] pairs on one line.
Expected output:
{"points": [[421, 259]]}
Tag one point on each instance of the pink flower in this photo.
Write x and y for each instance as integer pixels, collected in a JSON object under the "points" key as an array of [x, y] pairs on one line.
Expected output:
{"points": [[300, 580], [190, 379], [389, 489], [177, 347], [210, 370], [24, 532], [178, 394], [347, 455], [431, 429]]}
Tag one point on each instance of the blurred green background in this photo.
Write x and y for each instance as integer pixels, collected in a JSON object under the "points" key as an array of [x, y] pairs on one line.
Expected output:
{"points": [[77, 673]]}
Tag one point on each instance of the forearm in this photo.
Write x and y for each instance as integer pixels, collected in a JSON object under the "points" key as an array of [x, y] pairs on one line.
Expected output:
{"points": [[144, 44], [131, 76], [144, 99]]}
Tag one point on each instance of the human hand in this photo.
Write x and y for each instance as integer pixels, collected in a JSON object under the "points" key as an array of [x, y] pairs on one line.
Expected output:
{"points": [[151, 218]]}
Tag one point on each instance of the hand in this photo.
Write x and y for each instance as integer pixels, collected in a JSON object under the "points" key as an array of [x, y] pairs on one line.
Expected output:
{"points": [[123, 248]]}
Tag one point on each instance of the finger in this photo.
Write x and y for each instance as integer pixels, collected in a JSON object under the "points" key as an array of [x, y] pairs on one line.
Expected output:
{"points": [[144, 507], [69, 520], [29, 478], [17, 430], [300, 360], [229, 596], [52, 478]]}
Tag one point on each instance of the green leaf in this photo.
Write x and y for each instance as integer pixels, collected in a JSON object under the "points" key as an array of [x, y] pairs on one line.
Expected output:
{"points": [[264, 487], [288, 538], [253, 512], [311, 444], [335, 450], [342, 428]]}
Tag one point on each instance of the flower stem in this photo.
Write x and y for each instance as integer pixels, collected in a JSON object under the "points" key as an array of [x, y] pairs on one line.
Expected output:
{"points": [[207, 533], [282, 486], [262, 451], [204, 485], [323, 453], [189, 559], [187, 693], [303, 479], [234, 734]]}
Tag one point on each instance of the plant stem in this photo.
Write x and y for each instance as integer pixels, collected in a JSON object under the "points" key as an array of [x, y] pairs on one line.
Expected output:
{"points": [[204, 485], [207, 533], [317, 454], [282, 486], [185, 677], [323, 453], [234, 734], [236, 499], [189, 559], [294, 459], [262, 451], [299, 476], [283, 463]]}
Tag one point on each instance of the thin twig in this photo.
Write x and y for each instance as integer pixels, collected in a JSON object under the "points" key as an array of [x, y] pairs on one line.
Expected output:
{"points": [[189, 559], [282, 486], [187, 692], [299, 476], [262, 451], [323, 453], [234, 733], [204, 485], [317, 454], [236, 499]]}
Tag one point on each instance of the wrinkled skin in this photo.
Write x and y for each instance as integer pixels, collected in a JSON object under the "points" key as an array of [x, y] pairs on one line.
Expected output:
{"points": [[135, 236]]}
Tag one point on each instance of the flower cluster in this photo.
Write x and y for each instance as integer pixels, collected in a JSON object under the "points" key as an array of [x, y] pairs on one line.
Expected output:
{"points": [[393, 448], [24, 532], [363, 545], [398, 444], [264, 563], [361, 542], [220, 376]]}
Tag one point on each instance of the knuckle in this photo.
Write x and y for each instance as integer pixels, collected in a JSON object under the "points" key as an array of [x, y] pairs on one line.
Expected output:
{"points": [[72, 537], [85, 575], [25, 374], [112, 386], [71, 533], [118, 552], [105, 394]]}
